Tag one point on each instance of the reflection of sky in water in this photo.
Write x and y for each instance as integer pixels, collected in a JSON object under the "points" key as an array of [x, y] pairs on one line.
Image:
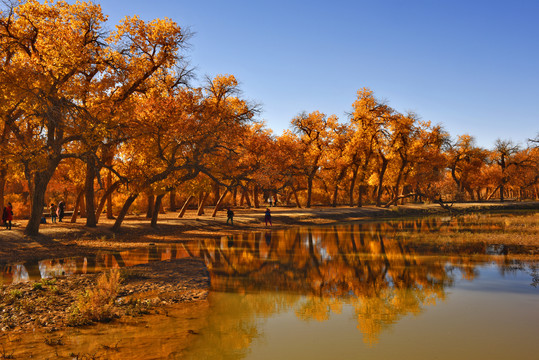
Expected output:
{"points": [[52, 268], [20, 274]]}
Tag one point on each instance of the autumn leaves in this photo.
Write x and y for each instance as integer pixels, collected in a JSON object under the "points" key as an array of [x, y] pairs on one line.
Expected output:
{"points": [[80, 104]]}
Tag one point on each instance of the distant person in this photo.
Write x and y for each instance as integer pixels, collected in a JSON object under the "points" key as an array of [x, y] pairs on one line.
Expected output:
{"points": [[267, 217], [61, 210], [53, 209], [270, 200], [275, 201], [7, 215], [230, 216]]}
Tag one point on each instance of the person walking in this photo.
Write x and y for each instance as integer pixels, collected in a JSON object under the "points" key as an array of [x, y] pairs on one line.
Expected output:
{"points": [[230, 216], [53, 209], [7, 215], [267, 217], [60, 211]]}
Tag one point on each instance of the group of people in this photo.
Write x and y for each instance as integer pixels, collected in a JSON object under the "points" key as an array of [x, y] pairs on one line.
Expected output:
{"points": [[57, 211], [7, 216]]}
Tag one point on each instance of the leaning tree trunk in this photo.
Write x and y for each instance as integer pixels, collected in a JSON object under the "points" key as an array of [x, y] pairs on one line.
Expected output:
{"points": [[225, 193], [77, 206], [105, 198], [202, 200], [184, 207], [121, 216], [158, 201]]}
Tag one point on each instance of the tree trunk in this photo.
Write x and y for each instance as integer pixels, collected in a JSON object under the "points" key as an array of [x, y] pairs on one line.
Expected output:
{"points": [[296, 197], [225, 193], [89, 192], [216, 193], [3, 175], [149, 210], [352, 186], [121, 216], [235, 196], [255, 197], [82, 207], [380, 182], [335, 193], [202, 200], [158, 202], [77, 206], [172, 200], [184, 207], [360, 196], [109, 197], [41, 180], [309, 190], [247, 198], [105, 198]]}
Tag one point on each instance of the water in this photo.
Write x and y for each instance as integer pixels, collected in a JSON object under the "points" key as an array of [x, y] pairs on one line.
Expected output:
{"points": [[437, 288]]}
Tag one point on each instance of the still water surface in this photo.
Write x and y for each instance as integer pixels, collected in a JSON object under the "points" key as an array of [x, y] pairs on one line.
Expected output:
{"points": [[436, 288]]}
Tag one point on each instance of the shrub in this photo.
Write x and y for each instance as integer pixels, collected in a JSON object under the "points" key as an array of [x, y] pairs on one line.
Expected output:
{"points": [[97, 304]]}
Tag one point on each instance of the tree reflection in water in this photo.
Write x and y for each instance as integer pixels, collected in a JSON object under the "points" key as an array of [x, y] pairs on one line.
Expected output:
{"points": [[383, 270]]}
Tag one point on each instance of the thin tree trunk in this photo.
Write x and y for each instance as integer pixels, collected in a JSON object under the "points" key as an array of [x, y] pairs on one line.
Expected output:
{"points": [[77, 206], [109, 197], [82, 207], [202, 200], [3, 175], [184, 207], [255, 197], [158, 202], [235, 196], [335, 193], [225, 193], [352, 187], [309, 190], [123, 212], [105, 198], [296, 197], [89, 192], [247, 198], [380, 182]]}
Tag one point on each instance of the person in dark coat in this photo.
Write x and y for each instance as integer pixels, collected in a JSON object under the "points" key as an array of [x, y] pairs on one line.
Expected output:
{"points": [[7, 215], [230, 216], [267, 216], [61, 210]]}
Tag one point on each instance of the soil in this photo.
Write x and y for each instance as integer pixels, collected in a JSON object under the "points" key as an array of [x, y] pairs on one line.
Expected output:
{"points": [[46, 307]]}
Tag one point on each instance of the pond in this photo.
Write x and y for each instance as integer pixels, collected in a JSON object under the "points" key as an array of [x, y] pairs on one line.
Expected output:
{"points": [[443, 288]]}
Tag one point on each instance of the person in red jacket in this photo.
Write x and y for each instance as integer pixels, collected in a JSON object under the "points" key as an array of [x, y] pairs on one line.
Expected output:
{"points": [[7, 215]]}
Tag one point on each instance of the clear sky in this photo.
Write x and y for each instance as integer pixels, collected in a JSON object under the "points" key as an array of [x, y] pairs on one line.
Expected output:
{"points": [[472, 65]]}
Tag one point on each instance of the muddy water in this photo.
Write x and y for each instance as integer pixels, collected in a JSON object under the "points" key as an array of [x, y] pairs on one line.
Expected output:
{"points": [[433, 288]]}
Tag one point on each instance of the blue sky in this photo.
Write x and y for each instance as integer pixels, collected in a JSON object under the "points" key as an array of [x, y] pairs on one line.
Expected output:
{"points": [[472, 66]]}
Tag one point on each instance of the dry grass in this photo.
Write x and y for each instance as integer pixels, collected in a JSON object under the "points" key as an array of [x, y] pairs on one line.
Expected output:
{"points": [[97, 304]]}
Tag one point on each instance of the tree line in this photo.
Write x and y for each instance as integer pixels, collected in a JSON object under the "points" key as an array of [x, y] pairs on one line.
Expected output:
{"points": [[112, 120]]}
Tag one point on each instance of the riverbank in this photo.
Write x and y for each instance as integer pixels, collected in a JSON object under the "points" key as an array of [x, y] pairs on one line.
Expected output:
{"points": [[52, 304], [75, 239]]}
